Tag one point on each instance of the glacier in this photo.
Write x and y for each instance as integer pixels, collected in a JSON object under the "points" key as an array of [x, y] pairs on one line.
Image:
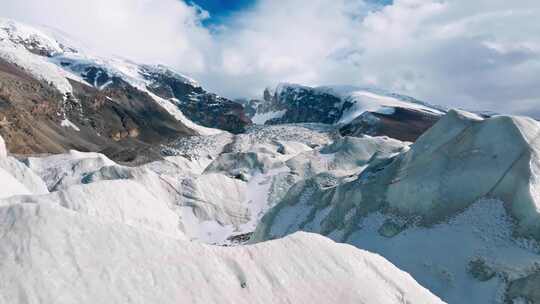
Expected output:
{"points": [[465, 194], [107, 233]]}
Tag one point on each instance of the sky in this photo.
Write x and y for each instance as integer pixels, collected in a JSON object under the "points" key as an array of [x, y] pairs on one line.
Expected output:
{"points": [[478, 55]]}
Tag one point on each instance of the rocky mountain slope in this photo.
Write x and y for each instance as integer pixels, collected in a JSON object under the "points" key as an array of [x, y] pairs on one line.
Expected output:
{"points": [[79, 228], [55, 96], [458, 210], [357, 110]]}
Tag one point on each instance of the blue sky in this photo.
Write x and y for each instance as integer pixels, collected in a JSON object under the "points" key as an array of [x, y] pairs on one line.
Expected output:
{"points": [[221, 9]]}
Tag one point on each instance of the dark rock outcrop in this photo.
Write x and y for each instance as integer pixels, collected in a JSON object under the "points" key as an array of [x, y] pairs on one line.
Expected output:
{"points": [[200, 106], [304, 104]]}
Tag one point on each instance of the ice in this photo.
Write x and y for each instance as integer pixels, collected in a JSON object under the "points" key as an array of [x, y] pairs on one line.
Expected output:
{"points": [[261, 118], [66, 123], [3, 150], [466, 191]]}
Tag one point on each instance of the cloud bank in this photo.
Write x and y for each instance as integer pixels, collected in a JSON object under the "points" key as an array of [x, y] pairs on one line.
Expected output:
{"points": [[482, 54]]}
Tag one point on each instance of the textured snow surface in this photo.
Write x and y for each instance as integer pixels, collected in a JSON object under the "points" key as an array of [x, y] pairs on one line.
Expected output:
{"points": [[52, 255], [24, 175], [261, 118], [66, 123], [424, 208], [10, 185], [3, 150], [365, 101], [16, 178], [60, 168]]}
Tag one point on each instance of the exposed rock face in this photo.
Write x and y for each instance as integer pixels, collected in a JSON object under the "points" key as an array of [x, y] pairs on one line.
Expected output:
{"points": [[358, 111], [34, 116], [402, 123], [302, 104], [197, 104]]}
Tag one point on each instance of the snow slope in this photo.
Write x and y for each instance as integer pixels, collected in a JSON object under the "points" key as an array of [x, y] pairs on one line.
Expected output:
{"points": [[458, 210], [10, 185], [16, 178], [3, 150], [374, 100], [75, 258]]}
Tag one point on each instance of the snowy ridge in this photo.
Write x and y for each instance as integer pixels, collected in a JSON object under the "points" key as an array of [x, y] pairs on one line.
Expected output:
{"points": [[156, 269], [353, 101]]}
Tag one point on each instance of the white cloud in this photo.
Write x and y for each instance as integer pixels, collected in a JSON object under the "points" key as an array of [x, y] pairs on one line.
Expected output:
{"points": [[474, 54], [166, 31], [482, 54]]}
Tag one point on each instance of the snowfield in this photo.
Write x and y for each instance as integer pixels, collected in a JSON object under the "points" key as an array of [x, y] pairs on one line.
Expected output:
{"points": [[113, 237]]}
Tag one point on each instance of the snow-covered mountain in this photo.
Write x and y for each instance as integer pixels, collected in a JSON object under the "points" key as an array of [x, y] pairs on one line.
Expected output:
{"points": [[459, 210], [63, 97], [357, 110]]}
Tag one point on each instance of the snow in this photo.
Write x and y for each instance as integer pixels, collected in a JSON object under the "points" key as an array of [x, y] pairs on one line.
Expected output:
{"points": [[35, 65], [66, 123], [261, 118], [50, 254], [483, 231], [58, 169], [10, 185], [468, 183], [16, 178], [364, 101], [32, 37], [257, 198], [24, 175], [121, 201], [3, 150]]}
